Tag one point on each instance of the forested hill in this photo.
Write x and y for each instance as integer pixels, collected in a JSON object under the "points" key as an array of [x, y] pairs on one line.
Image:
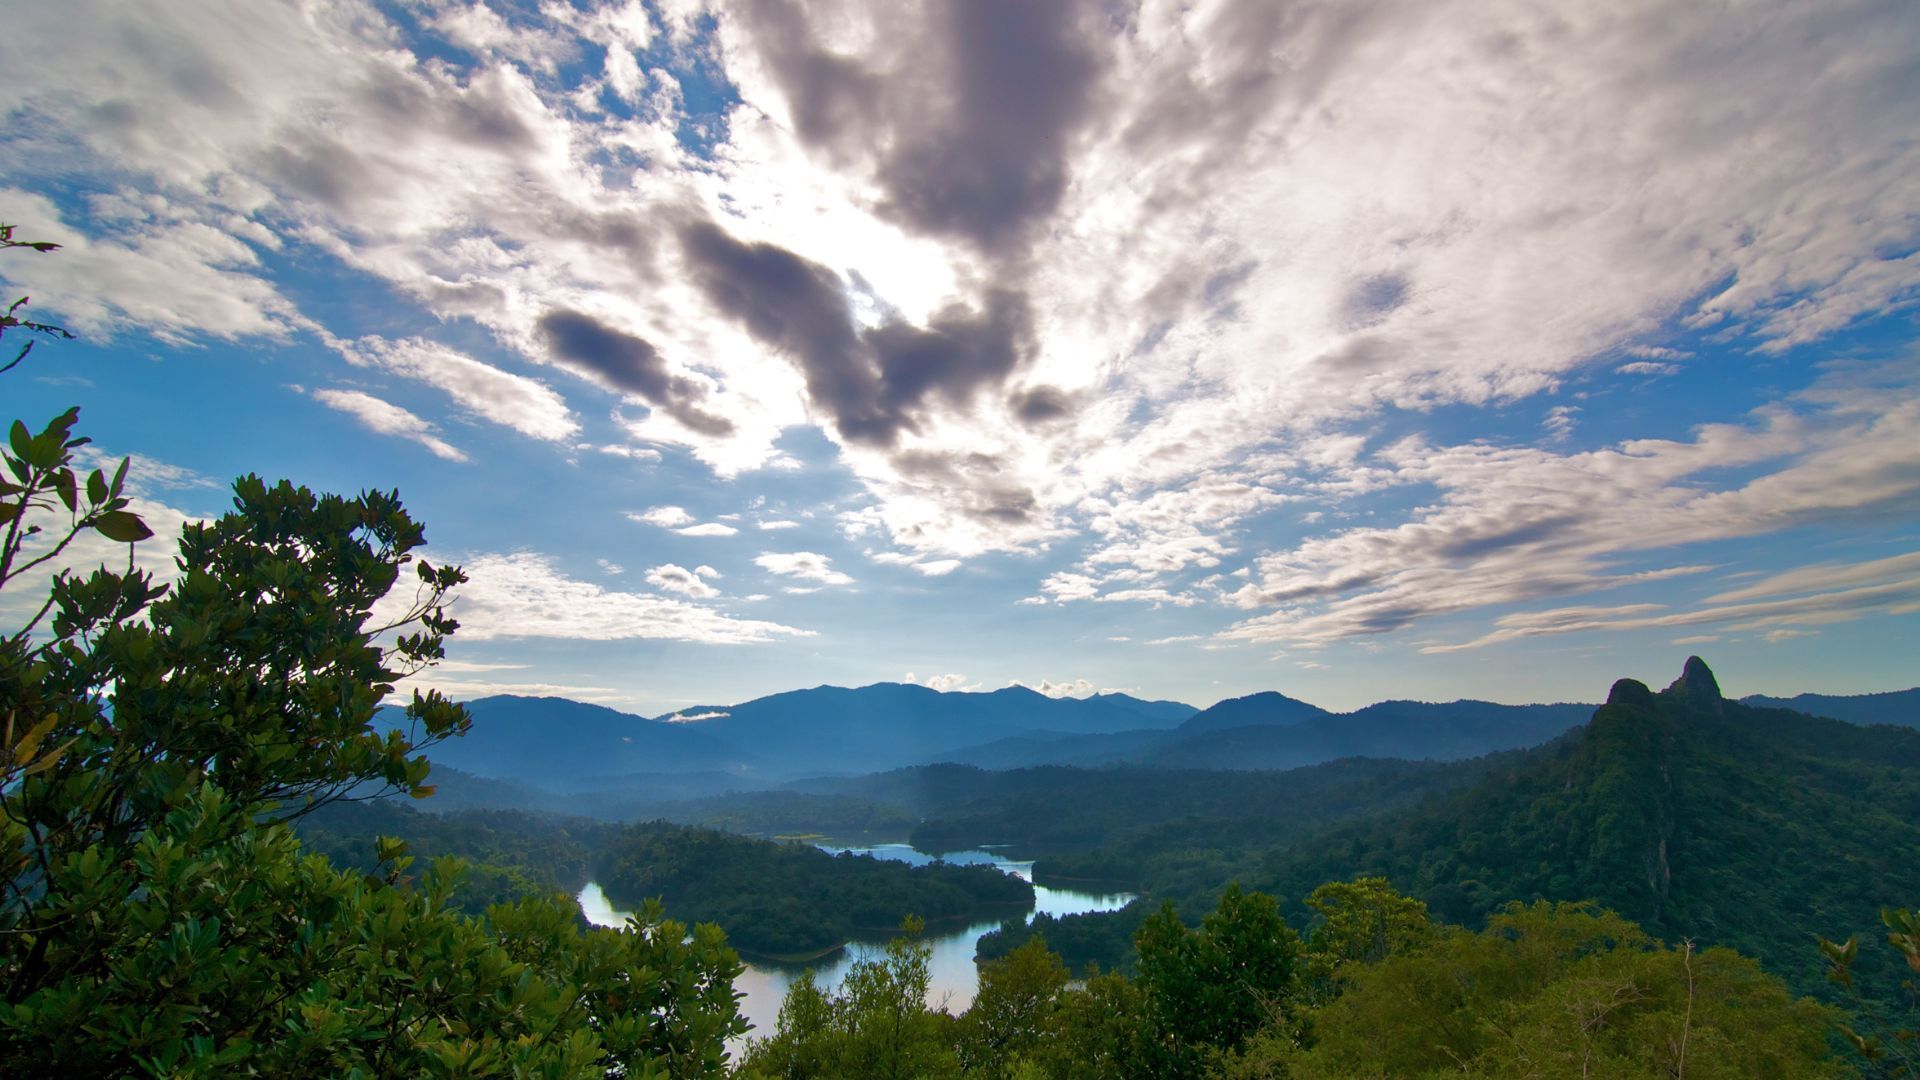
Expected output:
{"points": [[1695, 816]]}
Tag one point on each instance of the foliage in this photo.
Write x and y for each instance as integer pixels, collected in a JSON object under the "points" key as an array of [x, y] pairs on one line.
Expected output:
{"points": [[1557, 990], [1716, 822], [1887, 1046], [875, 1025], [792, 899], [1362, 921], [160, 917], [1101, 938], [1013, 1010], [1207, 989], [509, 855]]}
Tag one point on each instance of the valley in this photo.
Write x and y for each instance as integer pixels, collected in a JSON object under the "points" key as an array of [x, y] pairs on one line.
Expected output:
{"points": [[1667, 808]]}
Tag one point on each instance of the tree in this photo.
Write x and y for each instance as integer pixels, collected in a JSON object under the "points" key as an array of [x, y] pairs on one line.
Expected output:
{"points": [[1561, 990], [876, 1024], [1012, 1010], [1208, 989], [1362, 921], [160, 917], [1889, 1047]]}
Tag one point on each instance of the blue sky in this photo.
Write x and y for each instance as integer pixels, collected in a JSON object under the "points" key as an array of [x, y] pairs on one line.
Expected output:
{"points": [[1366, 350]]}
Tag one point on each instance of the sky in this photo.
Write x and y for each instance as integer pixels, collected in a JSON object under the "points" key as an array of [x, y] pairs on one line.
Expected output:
{"points": [[1411, 348]]}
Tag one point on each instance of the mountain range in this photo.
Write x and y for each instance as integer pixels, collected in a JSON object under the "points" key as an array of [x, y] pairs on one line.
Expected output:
{"points": [[568, 746]]}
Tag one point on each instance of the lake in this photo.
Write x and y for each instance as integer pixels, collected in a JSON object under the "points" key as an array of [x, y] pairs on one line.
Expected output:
{"points": [[955, 978]]}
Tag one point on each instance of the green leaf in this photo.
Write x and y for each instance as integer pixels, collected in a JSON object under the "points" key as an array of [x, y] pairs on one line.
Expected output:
{"points": [[20, 439], [68, 489], [9, 511], [96, 488], [121, 526]]}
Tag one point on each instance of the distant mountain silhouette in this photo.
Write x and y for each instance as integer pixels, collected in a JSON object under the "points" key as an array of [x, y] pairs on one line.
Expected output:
{"points": [[1900, 707], [559, 744], [555, 743], [831, 729], [1265, 708], [1282, 733]]}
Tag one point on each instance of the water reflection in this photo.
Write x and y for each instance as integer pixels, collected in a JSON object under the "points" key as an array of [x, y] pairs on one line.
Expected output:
{"points": [[954, 976]]}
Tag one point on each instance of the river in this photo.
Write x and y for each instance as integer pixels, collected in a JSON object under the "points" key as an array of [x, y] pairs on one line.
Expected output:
{"points": [[955, 978]]}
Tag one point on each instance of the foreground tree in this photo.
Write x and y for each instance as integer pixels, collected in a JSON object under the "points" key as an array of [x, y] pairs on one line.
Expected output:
{"points": [[876, 1024], [1556, 990], [159, 917], [1885, 1032]]}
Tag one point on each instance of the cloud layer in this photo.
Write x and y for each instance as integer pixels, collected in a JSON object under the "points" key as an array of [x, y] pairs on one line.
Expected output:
{"points": [[1150, 294]]}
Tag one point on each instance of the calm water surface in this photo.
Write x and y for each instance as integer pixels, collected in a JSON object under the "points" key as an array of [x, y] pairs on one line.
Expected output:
{"points": [[954, 976]]}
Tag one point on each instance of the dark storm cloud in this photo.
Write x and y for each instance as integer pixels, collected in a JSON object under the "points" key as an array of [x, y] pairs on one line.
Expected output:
{"points": [[627, 363], [1372, 299], [479, 114], [1040, 405], [975, 484], [873, 383], [973, 126], [322, 169], [956, 354]]}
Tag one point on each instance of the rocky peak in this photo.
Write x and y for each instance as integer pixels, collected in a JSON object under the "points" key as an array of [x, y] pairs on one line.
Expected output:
{"points": [[1696, 686], [1630, 692]]}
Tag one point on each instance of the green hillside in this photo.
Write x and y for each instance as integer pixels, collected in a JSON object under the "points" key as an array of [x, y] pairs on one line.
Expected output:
{"points": [[1694, 816]]}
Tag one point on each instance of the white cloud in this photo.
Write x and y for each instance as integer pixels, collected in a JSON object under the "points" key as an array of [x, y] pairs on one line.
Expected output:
{"points": [[628, 452], [143, 473], [1648, 367], [806, 565], [1078, 688], [525, 405], [943, 683], [710, 528], [171, 273], [771, 526], [1532, 209], [436, 678], [681, 580], [388, 419], [522, 595], [1514, 525], [667, 517], [1559, 422]]}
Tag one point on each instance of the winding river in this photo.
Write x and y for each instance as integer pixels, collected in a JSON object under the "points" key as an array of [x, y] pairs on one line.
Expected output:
{"points": [[955, 979]]}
